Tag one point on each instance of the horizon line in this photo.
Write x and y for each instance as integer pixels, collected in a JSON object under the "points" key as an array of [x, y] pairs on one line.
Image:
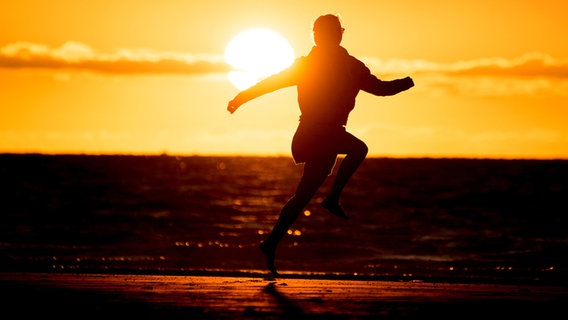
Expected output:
{"points": [[275, 155]]}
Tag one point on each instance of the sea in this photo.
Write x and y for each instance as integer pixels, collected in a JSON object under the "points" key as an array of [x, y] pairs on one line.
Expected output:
{"points": [[411, 219]]}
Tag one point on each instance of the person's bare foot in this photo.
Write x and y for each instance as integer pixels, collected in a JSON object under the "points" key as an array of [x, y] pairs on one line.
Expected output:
{"points": [[334, 208], [269, 254]]}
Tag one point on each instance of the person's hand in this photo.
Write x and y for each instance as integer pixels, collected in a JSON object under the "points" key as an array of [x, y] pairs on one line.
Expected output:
{"points": [[406, 83], [232, 106]]}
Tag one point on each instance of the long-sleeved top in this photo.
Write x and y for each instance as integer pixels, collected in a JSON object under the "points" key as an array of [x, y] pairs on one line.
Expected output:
{"points": [[328, 80]]}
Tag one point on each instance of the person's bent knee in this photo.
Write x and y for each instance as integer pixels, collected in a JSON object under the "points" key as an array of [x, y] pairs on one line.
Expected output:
{"points": [[362, 150]]}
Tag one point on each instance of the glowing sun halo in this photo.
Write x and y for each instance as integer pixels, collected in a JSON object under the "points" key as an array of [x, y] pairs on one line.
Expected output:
{"points": [[256, 54]]}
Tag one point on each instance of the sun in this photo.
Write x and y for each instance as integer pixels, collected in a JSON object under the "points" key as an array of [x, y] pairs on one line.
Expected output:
{"points": [[255, 54]]}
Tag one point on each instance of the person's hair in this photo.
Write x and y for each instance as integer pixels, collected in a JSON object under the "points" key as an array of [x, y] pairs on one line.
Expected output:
{"points": [[328, 30]]}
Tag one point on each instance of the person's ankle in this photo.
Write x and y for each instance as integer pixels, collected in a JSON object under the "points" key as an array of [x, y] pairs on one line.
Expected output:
{"points": [[334, 208]]}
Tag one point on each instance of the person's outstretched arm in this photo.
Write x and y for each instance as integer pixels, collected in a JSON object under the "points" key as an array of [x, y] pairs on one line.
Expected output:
{"points": [[388, 88], [265, 86], [370, 83], [280, 80]]}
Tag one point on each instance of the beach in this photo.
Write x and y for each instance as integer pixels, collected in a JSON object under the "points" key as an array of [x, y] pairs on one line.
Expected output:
{"points": [[66, 295]]}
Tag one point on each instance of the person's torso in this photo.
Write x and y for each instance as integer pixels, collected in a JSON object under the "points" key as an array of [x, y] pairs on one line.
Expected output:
{"points": [[327, 86]]}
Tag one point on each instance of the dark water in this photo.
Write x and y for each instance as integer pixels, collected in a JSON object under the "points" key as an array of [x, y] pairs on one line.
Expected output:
{"points": [[464, 219]]}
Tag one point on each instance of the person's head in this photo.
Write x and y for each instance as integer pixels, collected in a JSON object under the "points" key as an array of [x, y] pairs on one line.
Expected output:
{"points": [[328, 30]]}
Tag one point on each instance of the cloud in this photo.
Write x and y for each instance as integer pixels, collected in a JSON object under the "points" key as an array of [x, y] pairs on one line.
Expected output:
{"points": [[529, 74], [528, 65], [78, 56]]}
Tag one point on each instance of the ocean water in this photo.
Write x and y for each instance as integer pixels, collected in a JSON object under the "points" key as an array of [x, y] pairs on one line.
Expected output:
{"points": [[416, 219]]}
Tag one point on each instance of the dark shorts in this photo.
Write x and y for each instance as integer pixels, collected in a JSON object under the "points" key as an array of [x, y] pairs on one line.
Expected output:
{"points": [[318, 142]]}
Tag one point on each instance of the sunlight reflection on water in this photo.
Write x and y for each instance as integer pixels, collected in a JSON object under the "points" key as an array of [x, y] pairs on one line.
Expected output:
{"points": [[422, 216]]}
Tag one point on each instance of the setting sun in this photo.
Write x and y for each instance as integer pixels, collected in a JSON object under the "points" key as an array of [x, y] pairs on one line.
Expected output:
{"points": [[256, 54]]}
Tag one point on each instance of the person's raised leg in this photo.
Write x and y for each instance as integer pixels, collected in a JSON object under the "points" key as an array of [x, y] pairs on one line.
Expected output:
{"points": [[314, 175], [356, 151]]}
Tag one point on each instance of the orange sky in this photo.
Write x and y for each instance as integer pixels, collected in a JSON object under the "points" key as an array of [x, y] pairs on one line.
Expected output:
{"points": [[149, 77]]}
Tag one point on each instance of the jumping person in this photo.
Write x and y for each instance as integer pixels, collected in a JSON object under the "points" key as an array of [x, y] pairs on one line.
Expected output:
{"points": [[328, 80]]}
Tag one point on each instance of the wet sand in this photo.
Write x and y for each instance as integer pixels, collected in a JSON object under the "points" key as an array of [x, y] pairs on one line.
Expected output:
{"points": [[68, 295]]}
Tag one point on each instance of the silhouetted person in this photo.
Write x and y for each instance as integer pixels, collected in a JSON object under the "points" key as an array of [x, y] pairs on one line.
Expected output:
{"points": [[328, 79]]}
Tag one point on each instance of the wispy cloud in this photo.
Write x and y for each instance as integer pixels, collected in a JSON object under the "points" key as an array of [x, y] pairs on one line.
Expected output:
{"points": [[75, 55], [527, 74], [528, 65]]}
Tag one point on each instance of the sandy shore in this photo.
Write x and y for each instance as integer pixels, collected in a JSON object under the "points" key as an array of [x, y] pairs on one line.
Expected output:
{"points": [[216, 297]]}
